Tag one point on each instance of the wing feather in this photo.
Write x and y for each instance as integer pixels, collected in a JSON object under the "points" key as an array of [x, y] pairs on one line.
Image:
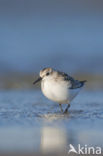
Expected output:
{"points": [[74, 83]]}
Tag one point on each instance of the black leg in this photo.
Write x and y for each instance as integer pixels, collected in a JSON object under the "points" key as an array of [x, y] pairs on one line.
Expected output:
{"points": [[61, 108], [66, 110]]}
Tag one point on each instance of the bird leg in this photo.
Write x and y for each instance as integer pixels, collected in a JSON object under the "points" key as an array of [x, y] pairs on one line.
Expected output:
{"points": [[61, 108], [66, 110]]}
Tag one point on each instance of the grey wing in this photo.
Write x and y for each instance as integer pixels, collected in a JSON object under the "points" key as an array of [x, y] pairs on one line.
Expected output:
{"points": [[77, 84], [74, 83], [65, 76]]}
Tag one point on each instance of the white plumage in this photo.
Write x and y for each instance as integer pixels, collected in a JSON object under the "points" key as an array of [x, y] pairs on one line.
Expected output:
{"points": [[58, 86]]}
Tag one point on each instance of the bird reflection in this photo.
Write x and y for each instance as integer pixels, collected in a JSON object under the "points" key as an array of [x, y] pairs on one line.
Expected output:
{"points": [[53, 139]]}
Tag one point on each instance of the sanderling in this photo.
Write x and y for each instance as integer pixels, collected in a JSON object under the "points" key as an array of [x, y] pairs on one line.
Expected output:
{"points": [[59, 86]]}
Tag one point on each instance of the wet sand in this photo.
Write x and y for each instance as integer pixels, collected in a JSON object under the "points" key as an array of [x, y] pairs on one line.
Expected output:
{"points": [[31, 123]]}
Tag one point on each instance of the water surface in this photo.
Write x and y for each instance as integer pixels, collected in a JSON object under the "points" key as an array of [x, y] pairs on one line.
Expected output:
{"points": [[30, 122]]}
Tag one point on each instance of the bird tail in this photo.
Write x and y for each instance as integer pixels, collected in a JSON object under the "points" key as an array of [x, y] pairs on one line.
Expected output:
{"points": [[83, 82]]}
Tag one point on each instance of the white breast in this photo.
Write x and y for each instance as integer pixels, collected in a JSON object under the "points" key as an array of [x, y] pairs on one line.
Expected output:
{"points": [[55, 91]]}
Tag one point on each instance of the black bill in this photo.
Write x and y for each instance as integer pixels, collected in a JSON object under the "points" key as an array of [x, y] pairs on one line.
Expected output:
{"points": [[39, 79]]}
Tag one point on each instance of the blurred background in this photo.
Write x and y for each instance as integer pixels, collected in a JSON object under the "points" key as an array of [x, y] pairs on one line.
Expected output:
{"points": [[66, 35], [63, 34]]}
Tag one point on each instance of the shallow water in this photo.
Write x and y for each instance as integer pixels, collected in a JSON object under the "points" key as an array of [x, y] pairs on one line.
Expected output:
{"points": [[29, 121]]}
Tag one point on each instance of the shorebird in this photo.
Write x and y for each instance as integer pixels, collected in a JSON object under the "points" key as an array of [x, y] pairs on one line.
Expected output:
{"points": [[59, 86]]}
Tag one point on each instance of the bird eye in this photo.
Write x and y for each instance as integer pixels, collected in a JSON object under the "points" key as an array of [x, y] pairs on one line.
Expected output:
{"points": [[47, 74]]}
